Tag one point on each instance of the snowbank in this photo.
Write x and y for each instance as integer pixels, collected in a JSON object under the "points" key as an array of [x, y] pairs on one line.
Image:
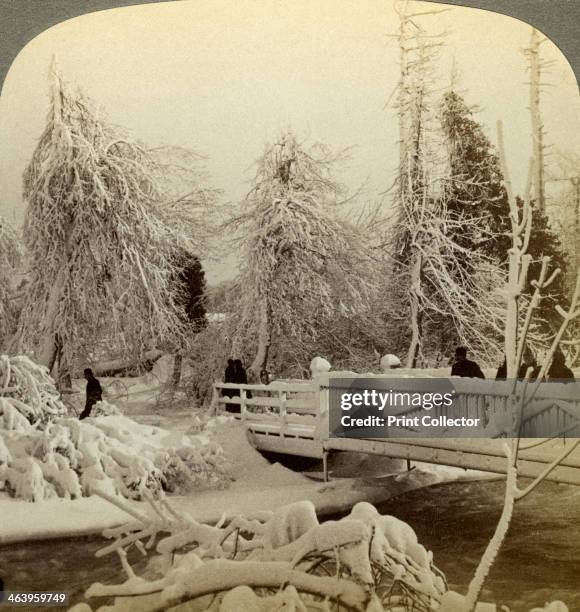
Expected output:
{"points": [[68, 458], [257, 485]]}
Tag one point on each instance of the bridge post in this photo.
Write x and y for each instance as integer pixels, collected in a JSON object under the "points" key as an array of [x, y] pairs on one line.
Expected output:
{"points": [[283, 412], [243, 405], [325, 464], [214, 405]]}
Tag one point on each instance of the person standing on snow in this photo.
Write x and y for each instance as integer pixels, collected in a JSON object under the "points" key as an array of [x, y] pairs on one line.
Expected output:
{"points": [[465, 367], [94, 393], [229, 377]]}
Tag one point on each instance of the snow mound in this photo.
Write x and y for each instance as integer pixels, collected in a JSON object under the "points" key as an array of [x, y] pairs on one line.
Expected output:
{"points": [[69, 458], [44, 454]]}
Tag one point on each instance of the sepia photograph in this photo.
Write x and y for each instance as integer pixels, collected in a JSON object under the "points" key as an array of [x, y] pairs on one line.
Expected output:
{"points": [[289, 309]]}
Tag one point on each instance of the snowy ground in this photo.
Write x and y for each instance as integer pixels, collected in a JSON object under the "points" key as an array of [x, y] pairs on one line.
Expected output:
{"points": [[258, 484]]}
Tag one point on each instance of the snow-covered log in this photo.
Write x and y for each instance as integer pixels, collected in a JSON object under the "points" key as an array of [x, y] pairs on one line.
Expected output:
{"points": [[113, 367]]}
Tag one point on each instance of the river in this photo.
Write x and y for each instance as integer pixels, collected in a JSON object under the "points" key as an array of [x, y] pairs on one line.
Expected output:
{"points": [[540, 560]]}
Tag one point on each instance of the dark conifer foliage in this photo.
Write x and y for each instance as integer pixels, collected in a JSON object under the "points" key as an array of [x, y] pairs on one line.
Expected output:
{"points": [[192, 291]]}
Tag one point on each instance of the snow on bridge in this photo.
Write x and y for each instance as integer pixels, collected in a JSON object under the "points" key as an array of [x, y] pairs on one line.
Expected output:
{"points": [[292, 418]]}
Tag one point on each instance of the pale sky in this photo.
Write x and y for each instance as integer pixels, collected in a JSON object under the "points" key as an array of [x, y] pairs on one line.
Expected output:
{"points": [[224, 78]]}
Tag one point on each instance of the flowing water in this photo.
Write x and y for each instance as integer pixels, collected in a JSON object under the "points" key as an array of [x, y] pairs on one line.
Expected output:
{"points": [[540, 560]]}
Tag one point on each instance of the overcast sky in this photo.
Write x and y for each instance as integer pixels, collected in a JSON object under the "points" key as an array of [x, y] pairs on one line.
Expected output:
{"points": [[226, 77]]}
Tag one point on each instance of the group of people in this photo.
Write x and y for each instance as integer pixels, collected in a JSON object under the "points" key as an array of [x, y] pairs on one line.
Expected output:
{"points": [[462, 366], [558, 370], [235, 373]]}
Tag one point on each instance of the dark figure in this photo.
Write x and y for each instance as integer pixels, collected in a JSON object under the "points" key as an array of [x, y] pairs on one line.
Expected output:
{"points": [[529, 361], [94, 393], [559, 370], [463, 366], [265, 377], [241, 376], [229, 377]]}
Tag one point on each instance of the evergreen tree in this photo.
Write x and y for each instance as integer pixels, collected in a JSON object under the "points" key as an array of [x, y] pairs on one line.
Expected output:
{"points": [[474, 188], [192, 288], [190, 301], [545, 242], [475, 191]]}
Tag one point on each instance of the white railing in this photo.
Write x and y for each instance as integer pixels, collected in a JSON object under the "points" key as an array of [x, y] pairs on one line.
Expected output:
{"points": [[283, 406]]}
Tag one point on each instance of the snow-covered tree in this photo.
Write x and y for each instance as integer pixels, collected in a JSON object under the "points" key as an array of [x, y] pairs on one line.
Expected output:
{"points": [[475, 191], [300, 263], [10, 260], [101, 236], [475, 188], [446, 284]]}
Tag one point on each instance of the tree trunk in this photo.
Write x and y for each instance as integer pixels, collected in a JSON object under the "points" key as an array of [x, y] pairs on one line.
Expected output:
{"points": [[61, 369], [512, 315], [537, 126], [264, 340], [486, 561], [48, 349], [416, 313], [116, 366], [176, 376]]}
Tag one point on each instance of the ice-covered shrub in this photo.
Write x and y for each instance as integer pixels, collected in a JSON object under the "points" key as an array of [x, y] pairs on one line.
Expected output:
{"points": [[45, 454], [27, 394], [284, 559], [69, 458]]}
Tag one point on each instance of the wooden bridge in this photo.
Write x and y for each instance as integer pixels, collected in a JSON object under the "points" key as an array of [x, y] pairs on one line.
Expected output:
{"points": [[291, 417]]}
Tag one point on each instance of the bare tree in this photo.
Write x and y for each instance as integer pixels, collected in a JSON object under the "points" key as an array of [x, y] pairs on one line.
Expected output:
{"points": [[416, 58], [536, 67], [444, 278]]}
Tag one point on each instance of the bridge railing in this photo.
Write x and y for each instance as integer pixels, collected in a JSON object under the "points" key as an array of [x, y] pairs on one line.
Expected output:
{"points": [[284, 406], [279, 405], [555, 407]]}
